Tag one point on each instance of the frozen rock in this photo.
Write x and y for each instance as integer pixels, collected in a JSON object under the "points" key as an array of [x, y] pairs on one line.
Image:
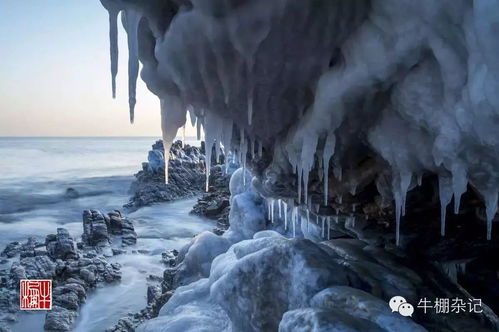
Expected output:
{"points": [[355, 302], [247, 216], [194, 260], [321, 320]]}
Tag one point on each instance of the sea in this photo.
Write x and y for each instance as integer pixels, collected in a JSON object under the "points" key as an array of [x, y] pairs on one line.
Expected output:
{"points": [[35, 174]]}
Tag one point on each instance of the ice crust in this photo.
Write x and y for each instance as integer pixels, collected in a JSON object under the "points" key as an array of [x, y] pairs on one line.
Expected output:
{"points": [[411, 82]]}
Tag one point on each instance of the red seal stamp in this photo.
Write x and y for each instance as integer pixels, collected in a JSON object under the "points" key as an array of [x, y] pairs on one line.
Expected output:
{"points": [[35, 294]]}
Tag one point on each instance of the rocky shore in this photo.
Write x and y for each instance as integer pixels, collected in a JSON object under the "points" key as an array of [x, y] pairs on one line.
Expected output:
{"points": [[75, 268]]}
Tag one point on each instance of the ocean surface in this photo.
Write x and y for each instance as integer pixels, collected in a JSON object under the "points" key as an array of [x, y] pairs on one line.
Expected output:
{"points": [[34, 176]]}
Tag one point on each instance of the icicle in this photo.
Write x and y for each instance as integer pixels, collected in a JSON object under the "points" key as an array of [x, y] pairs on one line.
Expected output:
{"points": [[300, 176], [353, 189], [113, 46], [323, 219], [227, 134], [250, 110], [328, 153], [279, 205], [294, 218], [198, 129], [172, 118], [260, 149], [328, 228], [253, 148], [337, 171], [131, 20], [490, 197], [354, 206], [317, 219], [336, 220], [308, 219], [459, 184], [307, 163], [400, 186], [285, 217], [445, 193], [420, 179], [272, 210], [340, 199]]}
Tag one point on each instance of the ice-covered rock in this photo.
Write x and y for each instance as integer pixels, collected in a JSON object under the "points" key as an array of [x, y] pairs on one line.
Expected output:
{"points": [[247, 216], [320, 320]]}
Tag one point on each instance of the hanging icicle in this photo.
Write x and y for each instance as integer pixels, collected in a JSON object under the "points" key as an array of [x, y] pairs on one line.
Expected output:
{"points": [[328, 153], [131, 20]]}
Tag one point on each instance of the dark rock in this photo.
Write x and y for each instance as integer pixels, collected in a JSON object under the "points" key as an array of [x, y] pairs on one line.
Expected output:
{"points": [[59, 319], [71, 193], [215, 204], [61, 245], [95, 231], [12, 249], [28, 249]]}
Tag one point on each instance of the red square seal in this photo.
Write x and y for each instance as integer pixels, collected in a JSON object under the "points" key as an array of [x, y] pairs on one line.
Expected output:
{"points": [[36, 295]]}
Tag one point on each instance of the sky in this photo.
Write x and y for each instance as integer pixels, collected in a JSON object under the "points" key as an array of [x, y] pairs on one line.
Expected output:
{"points": [[55, 73]]}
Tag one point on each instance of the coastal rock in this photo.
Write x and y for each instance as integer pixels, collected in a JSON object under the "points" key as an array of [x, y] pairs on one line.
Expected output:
{"points": [[11, 250], [95, 233], [59, 319], [118, 225], [74, 272], [61, 245], [215, 204]]}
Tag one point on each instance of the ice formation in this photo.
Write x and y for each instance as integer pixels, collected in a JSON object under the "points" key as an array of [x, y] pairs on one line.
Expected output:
{"points": [[412, 84]]}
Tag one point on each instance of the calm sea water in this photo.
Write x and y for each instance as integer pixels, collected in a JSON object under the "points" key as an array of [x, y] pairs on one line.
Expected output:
{"points": [[34, 176]]}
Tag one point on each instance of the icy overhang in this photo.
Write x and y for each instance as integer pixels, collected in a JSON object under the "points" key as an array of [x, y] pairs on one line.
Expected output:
{"points": [[321, 84]]}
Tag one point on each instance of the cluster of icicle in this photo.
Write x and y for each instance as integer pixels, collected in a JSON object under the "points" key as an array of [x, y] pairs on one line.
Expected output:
{"points": [[415, 81], [293, 215]]}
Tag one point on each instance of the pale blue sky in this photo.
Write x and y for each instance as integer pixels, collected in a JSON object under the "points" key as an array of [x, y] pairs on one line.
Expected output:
{"points": [[55, 76]]}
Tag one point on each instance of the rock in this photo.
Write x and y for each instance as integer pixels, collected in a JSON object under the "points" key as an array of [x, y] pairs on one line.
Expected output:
{"points": [[118, 225], [117, 251], [87, 276], [153, 293], [95, 231], [215, 204], [59, 319], [11, 250], [71, 193], [61, 245], [28, 249], [320, 320]]}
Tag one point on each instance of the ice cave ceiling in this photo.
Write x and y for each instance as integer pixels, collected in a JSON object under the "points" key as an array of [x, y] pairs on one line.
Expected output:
{"points": [[326, 84]]}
